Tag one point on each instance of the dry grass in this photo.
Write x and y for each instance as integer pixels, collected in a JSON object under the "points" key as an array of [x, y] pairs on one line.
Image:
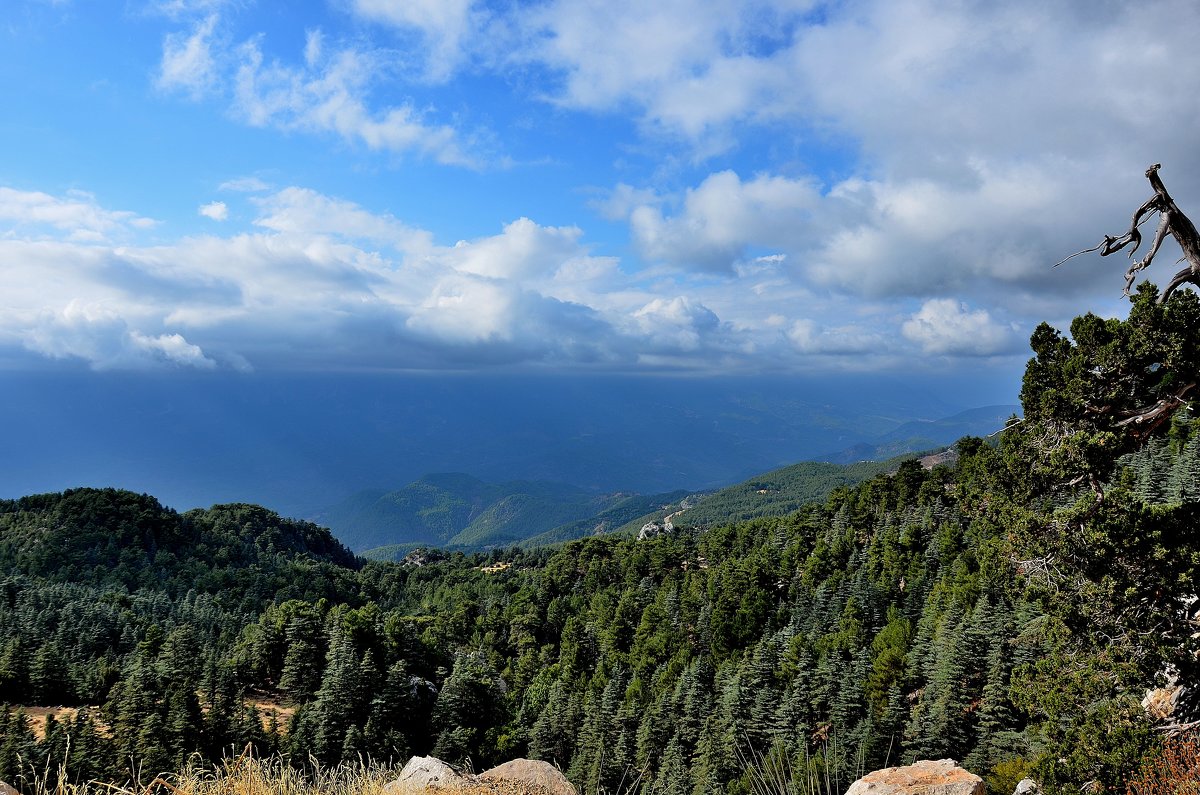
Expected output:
{"points": [[244, 775], [36, 718], [268, 708], [1175, 771]]}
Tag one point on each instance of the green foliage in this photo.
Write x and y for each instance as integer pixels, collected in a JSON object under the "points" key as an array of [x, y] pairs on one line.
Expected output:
{"points": [[782, 491], [1083, 396], [998, 611]]}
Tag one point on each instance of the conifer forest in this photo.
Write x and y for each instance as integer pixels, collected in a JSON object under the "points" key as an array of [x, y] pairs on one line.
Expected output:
{"points": [[1009, 611]]}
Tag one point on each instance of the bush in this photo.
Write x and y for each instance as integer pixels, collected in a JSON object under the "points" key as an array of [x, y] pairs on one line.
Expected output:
{"points": [[1175, 770]]}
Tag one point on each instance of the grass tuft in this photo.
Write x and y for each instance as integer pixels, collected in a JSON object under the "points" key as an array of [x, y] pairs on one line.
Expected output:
{"points": [[243, 775]]}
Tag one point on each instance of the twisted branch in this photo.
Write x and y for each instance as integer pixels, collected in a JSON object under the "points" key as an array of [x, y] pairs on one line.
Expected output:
{"points": [[1171, 221]]}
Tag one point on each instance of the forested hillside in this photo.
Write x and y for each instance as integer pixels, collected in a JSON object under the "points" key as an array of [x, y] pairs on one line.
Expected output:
{"points": [[1009, 612], [457, 511]]}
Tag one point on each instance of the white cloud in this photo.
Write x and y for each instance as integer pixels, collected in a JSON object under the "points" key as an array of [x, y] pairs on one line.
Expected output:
{"points": [[244, 185], [332, 96], [945, 326], [442, 24], [217, 211], [77, 214], [301, 211], [187, 60], [524, 250], [322, 281], [724, 216], [103, 338], [689, 66], [331, 90], [677, 324], [806, 336], [176, 9]]}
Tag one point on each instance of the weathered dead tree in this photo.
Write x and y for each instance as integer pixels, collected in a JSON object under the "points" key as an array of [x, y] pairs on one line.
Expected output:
{"points": [[1171, 220]]}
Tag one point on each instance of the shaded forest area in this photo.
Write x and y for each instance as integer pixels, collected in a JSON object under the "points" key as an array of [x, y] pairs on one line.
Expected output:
{"points": [[1009, 611]]}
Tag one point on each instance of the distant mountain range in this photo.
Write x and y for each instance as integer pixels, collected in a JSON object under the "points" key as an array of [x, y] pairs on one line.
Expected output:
{"points": [[299, 443], [460, 511], [917, 435]]}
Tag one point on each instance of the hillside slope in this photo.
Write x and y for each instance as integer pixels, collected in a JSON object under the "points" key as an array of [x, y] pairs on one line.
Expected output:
{"points": [[107, 537], [780, 491], [917, 435], [457, 511]]}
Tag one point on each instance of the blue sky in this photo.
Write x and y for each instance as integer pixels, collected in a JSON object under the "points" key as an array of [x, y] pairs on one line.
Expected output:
{"points": [[707, 187]]}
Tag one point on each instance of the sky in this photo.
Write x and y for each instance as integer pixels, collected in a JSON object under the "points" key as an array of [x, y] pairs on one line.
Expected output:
{"points": [[572, 186], [699, 186]]}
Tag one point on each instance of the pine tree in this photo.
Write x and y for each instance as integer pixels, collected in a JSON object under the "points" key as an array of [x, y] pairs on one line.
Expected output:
{"points": [[468, 708], [304, 662], [14, 672], [49, 682], [184, 725], [339, 702]]}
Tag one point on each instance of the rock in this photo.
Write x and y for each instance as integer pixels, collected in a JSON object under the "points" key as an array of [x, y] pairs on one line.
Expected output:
{"points": [[650, 530], [944, 777], [1027, 786], [529, 775], [425, 774]]}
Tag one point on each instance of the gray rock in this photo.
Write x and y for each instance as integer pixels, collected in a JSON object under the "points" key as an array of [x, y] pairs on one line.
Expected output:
{"points": [[528, 774], [650, 530], [1027, 786], [943, 777], [425, 774]]}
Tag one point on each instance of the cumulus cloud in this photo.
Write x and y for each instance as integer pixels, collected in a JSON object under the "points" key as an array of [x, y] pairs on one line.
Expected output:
{"points": [[724, 216], [691, 67], [807, 336], [984, 141], [77, 214], [217, 211], [443, 25], [105, 340], [330, 91], [304, 211], [944, 326], [524, 250], [677, 324], [187, 60], [330, 95], [322, 282]]}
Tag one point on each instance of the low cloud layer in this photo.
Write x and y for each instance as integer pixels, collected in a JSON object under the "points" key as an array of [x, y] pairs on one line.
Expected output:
{"points": [[324, 283]]}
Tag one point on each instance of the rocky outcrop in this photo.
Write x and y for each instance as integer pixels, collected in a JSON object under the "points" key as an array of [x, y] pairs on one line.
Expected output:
{"points": [[943, 777], [530, 776], [651, 530], [427, 775]]}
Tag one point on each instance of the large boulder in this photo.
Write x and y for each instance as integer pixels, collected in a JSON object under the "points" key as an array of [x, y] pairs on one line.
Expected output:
{"points": [[529, 776], [943, 777], [425, 774]]}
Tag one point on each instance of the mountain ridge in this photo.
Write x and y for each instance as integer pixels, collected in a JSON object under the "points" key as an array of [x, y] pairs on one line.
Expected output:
{"points": [[456, 510]]}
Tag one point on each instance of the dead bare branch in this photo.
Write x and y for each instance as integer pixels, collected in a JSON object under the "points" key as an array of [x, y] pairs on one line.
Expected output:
{"points": [[1149, 418], [1172, 221]]}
